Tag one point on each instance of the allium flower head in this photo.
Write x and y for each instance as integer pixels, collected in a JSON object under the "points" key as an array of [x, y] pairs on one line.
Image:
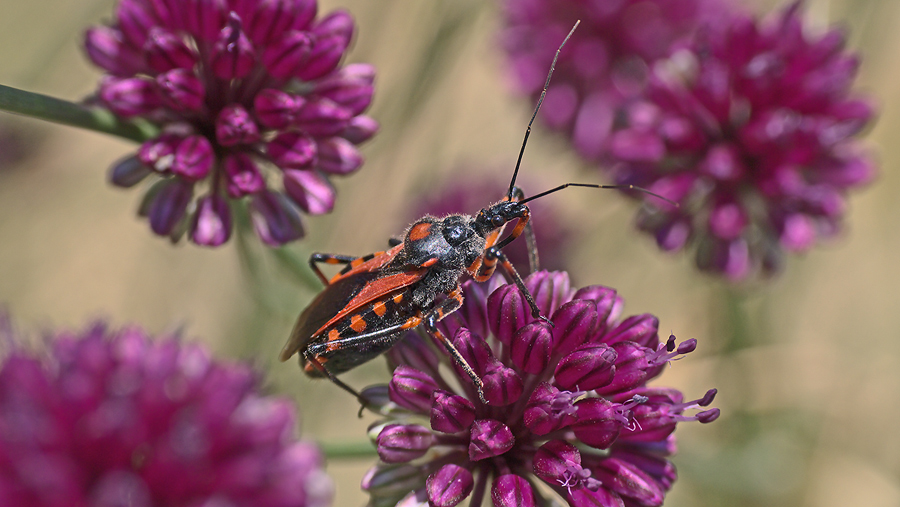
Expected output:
{"points": [[247, 92], [752, 131], [567, 405], [115, 418], [606, 61]]}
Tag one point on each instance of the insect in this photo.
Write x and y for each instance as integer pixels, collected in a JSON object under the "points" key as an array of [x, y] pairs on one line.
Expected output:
{"points": [[365, 308]]}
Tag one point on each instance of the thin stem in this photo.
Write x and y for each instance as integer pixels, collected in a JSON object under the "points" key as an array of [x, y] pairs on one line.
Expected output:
{"points": [[295, 263], [344, 450], [35, 105]]}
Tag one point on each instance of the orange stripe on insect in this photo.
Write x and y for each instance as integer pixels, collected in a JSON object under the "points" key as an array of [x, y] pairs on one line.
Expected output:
{"points": [[398, 298], [357, 323], [420, 231], [411, 323], [430, 262], [333, 335], [379, 308]]}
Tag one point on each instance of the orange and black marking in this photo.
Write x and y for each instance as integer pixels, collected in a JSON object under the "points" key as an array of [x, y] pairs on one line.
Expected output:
{"points": [[340, 336], [355, 263], [420, 231], [357, 323]]}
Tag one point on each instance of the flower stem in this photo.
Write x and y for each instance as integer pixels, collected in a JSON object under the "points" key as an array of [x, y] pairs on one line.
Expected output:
{"points": [[344, 450], [35, 105]]}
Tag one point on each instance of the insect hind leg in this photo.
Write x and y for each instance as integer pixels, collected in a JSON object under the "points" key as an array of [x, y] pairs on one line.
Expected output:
{"points": [[318, 365], [326, 258], [430, 320]]}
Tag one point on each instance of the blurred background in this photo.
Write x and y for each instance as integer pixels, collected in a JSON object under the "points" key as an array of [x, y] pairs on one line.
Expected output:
{"points": [[807, 365]]}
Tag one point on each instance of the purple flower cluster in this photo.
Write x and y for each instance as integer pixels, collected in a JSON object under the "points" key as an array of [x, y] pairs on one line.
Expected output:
{"points": [[115, 418], [245, 91], [751, 130], [566, 404], [604, 64]]}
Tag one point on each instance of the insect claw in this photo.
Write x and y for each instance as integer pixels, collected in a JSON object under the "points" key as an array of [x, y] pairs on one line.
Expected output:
{"points": [[548, 321], [479, 386]]}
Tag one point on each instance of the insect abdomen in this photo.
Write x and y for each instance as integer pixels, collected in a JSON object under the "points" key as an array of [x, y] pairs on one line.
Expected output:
{"points": [[335, 346]]}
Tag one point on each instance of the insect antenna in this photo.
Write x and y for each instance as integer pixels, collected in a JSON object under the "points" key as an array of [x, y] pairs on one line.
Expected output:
{"points": [[538, 108], [593, 185]]}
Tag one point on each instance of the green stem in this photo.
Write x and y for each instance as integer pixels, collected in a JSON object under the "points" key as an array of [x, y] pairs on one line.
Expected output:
{"points": [[296, 265], [344, 450], [39, 106]]}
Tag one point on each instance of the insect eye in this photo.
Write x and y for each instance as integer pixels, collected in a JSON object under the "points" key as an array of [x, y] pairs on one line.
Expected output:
{"points": [[497, 221]]}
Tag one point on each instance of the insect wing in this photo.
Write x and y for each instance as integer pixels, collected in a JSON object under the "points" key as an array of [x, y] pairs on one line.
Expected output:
{"points": [[374, 290], [369, 263], [323, 308], [335, 296], [360, 337], [341, 299]]}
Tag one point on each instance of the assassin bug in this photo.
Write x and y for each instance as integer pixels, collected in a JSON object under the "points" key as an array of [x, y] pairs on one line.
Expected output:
{"points": [[365, 308]]}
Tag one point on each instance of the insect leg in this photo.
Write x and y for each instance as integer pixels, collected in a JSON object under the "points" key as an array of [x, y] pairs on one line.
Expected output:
{"points": [[325, 258], [430, 320], [534, 262], [494, 255], [314, 360], [488, 262]]}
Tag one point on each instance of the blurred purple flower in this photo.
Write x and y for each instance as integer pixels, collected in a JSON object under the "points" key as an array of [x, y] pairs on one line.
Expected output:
{"points": [[244, 91], [605, 63], [116, 418], [752, 131], [568, 405], [470, 194]]}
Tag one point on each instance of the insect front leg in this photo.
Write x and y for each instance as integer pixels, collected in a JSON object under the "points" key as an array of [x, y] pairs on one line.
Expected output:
{"points": [[430, 320], [326, 258], [493, 256], [534, 262]]}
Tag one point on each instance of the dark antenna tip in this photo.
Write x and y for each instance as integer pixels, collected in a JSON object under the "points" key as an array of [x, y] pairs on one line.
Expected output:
{"points": [[537, 108]]}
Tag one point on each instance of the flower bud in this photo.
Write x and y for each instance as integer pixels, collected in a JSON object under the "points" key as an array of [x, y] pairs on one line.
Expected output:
{"points": [[489, 438], [181, 90], [275, 219], [338, 156], [292, 150], [399, 443], [235, 126], [128, 172], [212, 221], [449, 486], [451, 413], [310, 190], [242, 175], [412, 389], [510, 490]]}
